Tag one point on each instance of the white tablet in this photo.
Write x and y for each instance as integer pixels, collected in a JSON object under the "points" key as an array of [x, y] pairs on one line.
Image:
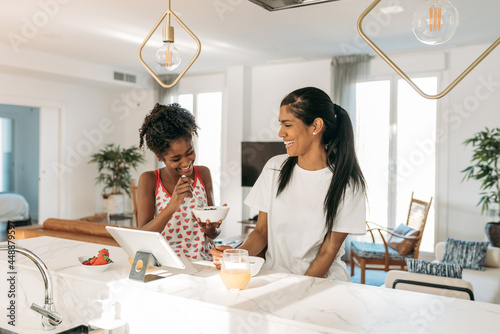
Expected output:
{"points": [[132, 241]]}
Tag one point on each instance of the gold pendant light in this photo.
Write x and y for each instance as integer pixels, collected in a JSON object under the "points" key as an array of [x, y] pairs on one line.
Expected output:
{"points": [[401, 73], [168, 56]]}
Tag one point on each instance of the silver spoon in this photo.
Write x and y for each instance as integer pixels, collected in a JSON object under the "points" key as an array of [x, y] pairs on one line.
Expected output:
{"points": [[199, 203]]}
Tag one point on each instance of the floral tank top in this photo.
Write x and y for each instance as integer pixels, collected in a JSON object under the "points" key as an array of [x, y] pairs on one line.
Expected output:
{"points": [[182, 231]]}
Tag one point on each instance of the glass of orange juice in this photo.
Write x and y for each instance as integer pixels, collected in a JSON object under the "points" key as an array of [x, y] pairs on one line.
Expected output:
{"points": [[235, 269]]}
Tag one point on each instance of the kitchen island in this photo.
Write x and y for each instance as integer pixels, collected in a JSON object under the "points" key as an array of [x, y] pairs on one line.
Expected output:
{"points": [[272, 302]]}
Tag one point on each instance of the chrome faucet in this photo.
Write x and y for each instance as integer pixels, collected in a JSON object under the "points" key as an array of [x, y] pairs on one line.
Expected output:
{"points": [[50, 318]]}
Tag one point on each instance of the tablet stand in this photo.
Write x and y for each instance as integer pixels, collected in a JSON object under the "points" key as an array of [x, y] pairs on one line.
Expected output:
{"points": [[143, 256]]}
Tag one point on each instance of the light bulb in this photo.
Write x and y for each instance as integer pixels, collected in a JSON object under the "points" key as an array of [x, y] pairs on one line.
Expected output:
{"points": [[435, 22], [168, 56]]}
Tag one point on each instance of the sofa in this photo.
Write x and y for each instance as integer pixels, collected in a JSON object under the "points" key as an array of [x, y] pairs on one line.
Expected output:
{"points": [[76, 229], [485, 285]]}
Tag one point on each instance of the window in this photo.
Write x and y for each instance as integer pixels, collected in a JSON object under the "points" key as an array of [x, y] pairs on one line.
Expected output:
{"points": [[396, 147], [207, 108]]}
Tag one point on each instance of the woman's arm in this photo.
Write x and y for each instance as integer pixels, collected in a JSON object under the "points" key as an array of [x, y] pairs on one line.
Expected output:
{"points": [[146, 207], [257, 239], [327, 253], [254, 243], [211, 229]]}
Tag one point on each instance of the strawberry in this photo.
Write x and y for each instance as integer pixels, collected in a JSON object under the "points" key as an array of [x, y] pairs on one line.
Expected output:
{"points": [[104, 251], [99, 261], [101, 258]]}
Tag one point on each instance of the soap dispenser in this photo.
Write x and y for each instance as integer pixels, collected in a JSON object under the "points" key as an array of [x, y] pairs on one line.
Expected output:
{"points": [[107, 323]]}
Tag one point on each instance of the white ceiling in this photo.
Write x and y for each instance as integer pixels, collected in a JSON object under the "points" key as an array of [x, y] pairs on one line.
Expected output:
{"points": [[232, 32]]}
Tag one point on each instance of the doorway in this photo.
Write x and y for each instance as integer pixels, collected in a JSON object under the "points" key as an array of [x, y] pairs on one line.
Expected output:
{"points": [[19, 153], [49, 140]]}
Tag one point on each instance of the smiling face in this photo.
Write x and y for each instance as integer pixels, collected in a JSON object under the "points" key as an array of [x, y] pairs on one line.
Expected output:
{"points": [[180, 157], [297, 136]]}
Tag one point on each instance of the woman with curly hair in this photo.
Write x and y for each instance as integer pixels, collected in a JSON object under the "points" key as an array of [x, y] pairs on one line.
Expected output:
{"points": [[165, 195]]}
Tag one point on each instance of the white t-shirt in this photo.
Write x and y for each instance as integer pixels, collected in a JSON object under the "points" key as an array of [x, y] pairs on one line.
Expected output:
{"points": [[296, 221]]}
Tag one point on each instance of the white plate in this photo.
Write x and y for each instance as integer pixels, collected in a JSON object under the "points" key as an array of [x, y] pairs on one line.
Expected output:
{"points": [[95, 269]]}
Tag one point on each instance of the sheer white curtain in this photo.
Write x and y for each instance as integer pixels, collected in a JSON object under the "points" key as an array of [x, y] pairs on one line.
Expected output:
{"points": [[347, 71]]}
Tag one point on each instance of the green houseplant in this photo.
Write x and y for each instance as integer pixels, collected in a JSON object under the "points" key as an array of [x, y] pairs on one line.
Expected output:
{"points": [[114, 164], [485, 167]]}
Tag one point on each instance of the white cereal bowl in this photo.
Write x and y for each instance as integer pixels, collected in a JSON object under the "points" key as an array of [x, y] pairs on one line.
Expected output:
{"points": [[94, 269], [211, 213], [255, 264]]}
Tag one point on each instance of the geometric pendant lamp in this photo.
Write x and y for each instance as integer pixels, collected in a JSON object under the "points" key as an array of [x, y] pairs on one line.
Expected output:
{"points": [[168, 28], [434, 15]]}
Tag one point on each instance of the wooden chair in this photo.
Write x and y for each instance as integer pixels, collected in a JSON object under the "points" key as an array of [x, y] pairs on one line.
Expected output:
{"points": [[377, 256], [133, 193]]}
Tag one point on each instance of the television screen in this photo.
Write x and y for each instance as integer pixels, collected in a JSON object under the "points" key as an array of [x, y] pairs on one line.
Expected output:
{"points": [[254, 156]]}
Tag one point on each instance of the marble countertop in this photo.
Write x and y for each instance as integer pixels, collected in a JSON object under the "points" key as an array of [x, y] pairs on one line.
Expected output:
{"points": [[272, 302]]}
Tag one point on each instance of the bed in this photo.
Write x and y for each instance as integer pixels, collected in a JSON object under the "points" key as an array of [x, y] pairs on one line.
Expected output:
{"points": [[14, 207]]}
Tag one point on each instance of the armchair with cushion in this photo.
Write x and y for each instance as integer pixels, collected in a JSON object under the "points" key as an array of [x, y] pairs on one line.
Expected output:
{"points": [[404, 241], [479, 285]]}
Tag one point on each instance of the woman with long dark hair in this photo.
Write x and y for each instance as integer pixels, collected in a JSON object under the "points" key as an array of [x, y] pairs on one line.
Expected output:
{"points": [[311, 198]]}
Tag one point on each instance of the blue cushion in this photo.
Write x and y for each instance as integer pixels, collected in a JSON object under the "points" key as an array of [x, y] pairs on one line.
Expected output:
{"points": [[372, 250], [470, 254], [433, 268]]}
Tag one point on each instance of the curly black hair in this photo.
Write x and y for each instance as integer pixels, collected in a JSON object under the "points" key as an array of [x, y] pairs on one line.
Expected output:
{"points": [[164, 124]]}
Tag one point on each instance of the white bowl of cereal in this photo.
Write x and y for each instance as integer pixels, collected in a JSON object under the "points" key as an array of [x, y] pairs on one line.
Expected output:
{"points": [[211, 213]]}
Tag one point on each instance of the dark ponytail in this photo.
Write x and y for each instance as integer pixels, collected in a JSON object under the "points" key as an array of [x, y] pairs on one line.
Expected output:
{"points": [[307, 104]]}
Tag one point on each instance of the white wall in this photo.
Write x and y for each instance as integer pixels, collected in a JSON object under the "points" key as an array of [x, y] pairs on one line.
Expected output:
{"points": [[270, 84], [235, 106], [130, 106], [472, 105]]}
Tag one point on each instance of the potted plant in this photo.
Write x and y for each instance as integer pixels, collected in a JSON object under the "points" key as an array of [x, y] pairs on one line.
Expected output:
{"points": [[114, 165], [485, 167]]}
